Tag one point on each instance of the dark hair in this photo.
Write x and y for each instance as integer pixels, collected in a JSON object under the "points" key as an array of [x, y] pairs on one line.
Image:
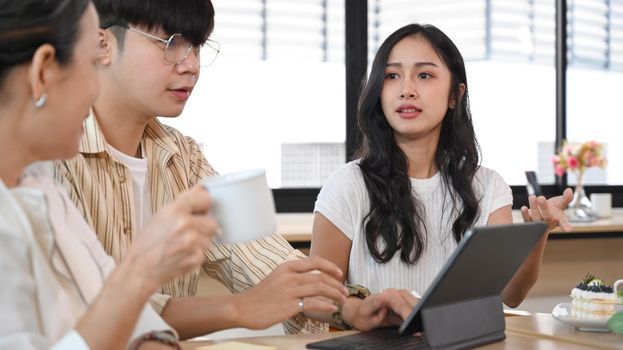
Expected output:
{"points": [[25, 25], [396, 215], [194, 19]]}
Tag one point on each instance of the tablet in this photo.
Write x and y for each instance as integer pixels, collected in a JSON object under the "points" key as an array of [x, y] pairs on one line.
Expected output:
{"points": [[463, 306]]}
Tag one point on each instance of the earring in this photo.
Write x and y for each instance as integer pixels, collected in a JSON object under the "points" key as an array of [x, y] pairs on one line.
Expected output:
{"points": [[40, 102]]}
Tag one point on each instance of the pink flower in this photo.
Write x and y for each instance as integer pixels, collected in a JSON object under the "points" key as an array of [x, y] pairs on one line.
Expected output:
{"points": [[578, 157]]}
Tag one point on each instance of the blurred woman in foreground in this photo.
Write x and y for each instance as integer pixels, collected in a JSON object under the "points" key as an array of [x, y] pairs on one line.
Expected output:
{"points": [[60, 289]]}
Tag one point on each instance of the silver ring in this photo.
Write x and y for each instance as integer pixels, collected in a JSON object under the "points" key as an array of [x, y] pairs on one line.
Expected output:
{"points": [[302, 304]]}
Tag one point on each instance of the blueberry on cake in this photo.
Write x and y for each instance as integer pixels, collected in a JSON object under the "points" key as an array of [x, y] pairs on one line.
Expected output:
{"points": [[593, 300]]}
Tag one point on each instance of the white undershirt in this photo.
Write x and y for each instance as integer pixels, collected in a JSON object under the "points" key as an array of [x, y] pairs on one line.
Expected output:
{"points": [[140, 185]]}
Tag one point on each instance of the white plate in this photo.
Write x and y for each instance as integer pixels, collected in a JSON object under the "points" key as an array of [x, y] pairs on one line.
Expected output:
{"points": [[562, 312]]}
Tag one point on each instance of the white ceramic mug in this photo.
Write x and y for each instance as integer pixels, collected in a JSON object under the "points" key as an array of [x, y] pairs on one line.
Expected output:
{"points": [[602, 204], [615, 289], [242, 204]]}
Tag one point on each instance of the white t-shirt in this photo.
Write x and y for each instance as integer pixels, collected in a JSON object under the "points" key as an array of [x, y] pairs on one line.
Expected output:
{"points": [[140, 185], [344, 201]]}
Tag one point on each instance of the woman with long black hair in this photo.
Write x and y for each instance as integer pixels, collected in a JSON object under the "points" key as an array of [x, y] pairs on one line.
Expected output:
{"points": [[394, 216]]}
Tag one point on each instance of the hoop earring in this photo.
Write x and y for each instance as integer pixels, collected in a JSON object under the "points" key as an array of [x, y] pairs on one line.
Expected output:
{"points": [[40, 102]]}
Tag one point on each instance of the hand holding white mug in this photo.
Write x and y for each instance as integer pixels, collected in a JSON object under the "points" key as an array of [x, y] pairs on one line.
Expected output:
{"points": [[174, 241]]}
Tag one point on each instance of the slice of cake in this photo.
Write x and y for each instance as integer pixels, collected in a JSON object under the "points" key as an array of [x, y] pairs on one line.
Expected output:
{"points": [[593, 300]]}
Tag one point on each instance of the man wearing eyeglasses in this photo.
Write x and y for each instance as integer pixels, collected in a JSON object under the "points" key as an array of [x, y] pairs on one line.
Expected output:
{"points": [[130, 165]]}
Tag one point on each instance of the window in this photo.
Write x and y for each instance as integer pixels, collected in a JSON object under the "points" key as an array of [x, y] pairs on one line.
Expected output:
{"points": [[275, 96], [595, 77]]}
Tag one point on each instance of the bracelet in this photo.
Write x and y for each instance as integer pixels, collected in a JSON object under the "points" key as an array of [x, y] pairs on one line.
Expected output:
{"points": [[354, 290], [163, 337]]}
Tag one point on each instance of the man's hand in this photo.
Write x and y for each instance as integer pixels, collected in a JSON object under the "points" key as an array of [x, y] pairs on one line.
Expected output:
{"points": [[306, 285]]}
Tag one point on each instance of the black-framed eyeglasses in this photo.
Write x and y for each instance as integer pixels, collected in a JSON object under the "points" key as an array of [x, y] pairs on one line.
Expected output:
{"points": [[178, 48]]}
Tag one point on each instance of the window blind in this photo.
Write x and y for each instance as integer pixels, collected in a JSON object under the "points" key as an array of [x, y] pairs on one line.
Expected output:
{"points": [[306, 30], [516, 30]]}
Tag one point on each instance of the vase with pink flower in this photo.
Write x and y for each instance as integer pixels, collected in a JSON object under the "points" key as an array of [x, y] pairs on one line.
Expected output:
{"points": [[577, 158]]}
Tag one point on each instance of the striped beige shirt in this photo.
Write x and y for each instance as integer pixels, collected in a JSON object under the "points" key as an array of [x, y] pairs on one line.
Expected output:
{"points": [[102, 189]]}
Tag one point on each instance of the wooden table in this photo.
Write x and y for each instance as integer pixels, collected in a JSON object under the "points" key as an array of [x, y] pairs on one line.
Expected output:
{"points": [[538, 331], [297, 227], [544, 326]]}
